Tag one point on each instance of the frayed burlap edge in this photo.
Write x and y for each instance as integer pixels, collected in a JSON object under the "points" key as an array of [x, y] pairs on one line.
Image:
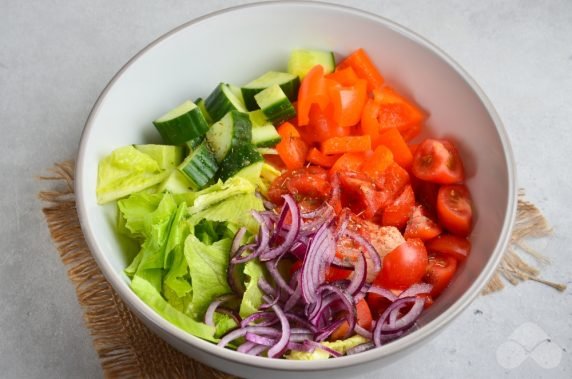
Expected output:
{"points": [[126, 347]]}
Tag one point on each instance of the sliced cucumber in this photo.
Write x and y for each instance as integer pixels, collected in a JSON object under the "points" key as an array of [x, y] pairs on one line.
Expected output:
{"points": [[275, 105], [257, 118], [223, 99], [238, 158], [251, 172], [289, 83], [199, 167], [181, 124], [233, 130], [192, 144], [267, 150], [201, 104], [301, 61], [167, 156], [265, 136]]}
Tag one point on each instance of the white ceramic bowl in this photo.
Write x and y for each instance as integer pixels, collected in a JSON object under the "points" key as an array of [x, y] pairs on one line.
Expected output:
{"points": [[236, 45]]}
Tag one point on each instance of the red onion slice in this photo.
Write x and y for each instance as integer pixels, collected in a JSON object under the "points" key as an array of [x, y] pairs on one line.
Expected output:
{"points": [[289, 206], [280, 346], [382, 292], [371, 251], [363, 332], [416, 289], [320, 346], [359, 275], [273, 270], [231, 336], [360, 348], [270, 318], [209, 314]]}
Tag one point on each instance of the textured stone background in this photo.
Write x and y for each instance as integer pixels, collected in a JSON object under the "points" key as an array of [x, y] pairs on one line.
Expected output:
{"points": [[56, 56]]}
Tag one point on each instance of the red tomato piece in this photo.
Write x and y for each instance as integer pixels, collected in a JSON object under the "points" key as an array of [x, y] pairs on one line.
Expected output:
{"points": [[421, 226], [359, 194], [440, 271], [397, 213], [438, 161], [450, 245], [305, 183], [392, 181], [426, 194], [378, 162], [348, 162], [454, 209], [316, 157], [334, 273], [404, 266]]}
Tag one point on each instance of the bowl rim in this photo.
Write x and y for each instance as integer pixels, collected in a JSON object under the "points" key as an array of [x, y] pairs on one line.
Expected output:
{"points": [[414, 338]]}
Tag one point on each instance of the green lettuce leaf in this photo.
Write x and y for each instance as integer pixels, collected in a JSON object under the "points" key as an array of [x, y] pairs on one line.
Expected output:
{"points": [[144, 285], [252, 298], [223, 324], [341, 346], [207, 265], [125, 171]]}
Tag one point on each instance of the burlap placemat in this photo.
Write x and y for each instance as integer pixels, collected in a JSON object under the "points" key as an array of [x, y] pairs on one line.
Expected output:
{"points": [[128, 349]]}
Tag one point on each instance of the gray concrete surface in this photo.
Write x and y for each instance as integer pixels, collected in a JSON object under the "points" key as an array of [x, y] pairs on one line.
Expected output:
{"points": [[56, 56]]}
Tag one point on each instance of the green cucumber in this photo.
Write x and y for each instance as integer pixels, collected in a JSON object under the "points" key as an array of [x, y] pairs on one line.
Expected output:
{"points": [[264, 134], [224, 98], [192, 144], [233, 130], [275, 105], [201, 104], [288, 82], [199, 167], [181, 124], [238, 158], [167, 156], [301, 61], [176, 182], [251, 172]]}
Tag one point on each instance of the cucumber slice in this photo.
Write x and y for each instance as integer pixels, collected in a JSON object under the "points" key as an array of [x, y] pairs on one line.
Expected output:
{"points": [[275, 105], [267, 150], [223, 99], [240, 157], [233, 130], [176, 182], [192, 144], [301, 61], [288, 82], [181, 124], [167, 156], [251, 172], [264, 134], [199, 167], [201, 104]]}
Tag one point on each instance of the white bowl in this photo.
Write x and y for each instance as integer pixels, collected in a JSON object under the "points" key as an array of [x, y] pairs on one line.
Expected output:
{"points": [[236, 45]]}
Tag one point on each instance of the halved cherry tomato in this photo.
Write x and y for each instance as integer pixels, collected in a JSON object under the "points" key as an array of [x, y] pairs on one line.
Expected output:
{"points": [[438, 161], [426, 194], [313, 90], [311, 182], [440, 271], [404, 266], [321, 126], [364, 68], [450, 245], [291, 149], [359, 194], [364, 319], [421, 226], [397, 213], [454, 209]]}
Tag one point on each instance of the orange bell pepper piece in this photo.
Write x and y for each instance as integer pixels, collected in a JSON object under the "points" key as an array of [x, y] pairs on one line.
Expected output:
{"points": [[348, 162], [360, 62], [348, 102], [291, 149], [392, 139], [349, 144], [397, 112], [345, 76], [316, 157], [313, 90], [376, 164]]}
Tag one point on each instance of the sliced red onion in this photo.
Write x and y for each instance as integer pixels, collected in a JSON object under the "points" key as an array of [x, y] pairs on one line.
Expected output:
{"points": [[360, 348], [400, 324], [363, 332], [343, 222], [359, 275], [231, 313], [300, 347], [260, 340], [416, 289], [238, 258], [233, 277], [346, 300], [237, 240], [327, 331], [320, 255], [270, 318], [382, 292], [326, 217], [266, 287], [294, 299], [291, 206], [273, 270], [280, 346], [301, 322], [209, 314], [257, 350], [231, 336], [263, 233], [371, 251], [320, 346], [245, 347]]}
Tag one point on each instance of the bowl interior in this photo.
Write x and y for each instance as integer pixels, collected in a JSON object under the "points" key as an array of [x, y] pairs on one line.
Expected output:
{"points": [[237, 46]]}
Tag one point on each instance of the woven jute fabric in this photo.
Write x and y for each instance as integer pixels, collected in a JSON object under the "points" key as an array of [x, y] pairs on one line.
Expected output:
{"points": [[128, 349]]}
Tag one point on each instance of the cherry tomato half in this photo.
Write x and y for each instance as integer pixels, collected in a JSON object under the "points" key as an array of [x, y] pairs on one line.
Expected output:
{"points": [[440, 271], [404, 266], [450, 245], [421, 226], [438, 161], [454, 209]]}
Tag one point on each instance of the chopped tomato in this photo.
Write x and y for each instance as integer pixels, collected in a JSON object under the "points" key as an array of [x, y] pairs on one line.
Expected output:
{"points": [[349, 144], [426, 194], [313, 90], [392, 181], [321, 126], [378, 162], [450, 245], [311, 182], [316, 157], [454, 209], [359, 194], [363, 319], [348, 102], [397, 213], [361, 63], [404, 266], [392, 139], [291, 149], [440, 271], [421, 226], [438, 161], [334, 273], [348, 162]]}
